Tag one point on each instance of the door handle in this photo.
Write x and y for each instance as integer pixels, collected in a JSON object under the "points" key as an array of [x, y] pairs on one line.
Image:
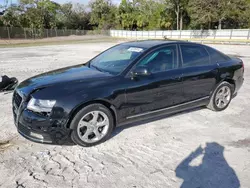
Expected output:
{"points": [[215, 71]]}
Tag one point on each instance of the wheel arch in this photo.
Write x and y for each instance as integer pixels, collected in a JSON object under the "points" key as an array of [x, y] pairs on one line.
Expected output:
{"points": [[226, 79], [229, 80], [211, 105], [98, 101]]}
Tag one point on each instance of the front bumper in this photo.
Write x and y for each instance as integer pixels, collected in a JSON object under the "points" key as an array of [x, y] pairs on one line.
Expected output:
{"points": [[39, 128], [34, 135]]}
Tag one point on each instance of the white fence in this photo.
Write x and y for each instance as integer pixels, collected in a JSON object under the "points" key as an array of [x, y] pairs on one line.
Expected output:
{"points": [[227, 34]]}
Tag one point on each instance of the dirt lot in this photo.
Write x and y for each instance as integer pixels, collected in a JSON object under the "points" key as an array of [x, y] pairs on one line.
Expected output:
{"points": [[150, 154]]}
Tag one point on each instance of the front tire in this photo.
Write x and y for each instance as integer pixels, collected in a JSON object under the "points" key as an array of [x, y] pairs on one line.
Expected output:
{"points": [[221, 97], [92, 125]]}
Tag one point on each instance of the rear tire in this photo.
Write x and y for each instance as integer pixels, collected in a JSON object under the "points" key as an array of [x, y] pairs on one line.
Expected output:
{"points": [[92, 125], [221, 97]]}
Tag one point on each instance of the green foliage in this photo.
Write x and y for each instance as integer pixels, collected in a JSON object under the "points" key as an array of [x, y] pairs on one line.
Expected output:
{"points": [[46, 14], [103, 14], [210, 14], [129, 14]]}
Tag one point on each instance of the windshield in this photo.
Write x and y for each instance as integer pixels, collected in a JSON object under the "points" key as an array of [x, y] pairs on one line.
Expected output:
{"points": [[116, 59]]}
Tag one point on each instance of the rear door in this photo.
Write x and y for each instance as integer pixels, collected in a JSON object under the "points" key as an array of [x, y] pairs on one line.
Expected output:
{"points": [[199, 73]]}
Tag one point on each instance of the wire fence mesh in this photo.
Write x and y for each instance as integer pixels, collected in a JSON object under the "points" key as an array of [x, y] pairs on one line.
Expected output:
{"points": [[32, 33]]}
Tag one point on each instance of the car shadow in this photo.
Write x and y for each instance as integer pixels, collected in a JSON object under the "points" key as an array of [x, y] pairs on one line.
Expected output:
{"points": [[119, 129], [214, 171]]}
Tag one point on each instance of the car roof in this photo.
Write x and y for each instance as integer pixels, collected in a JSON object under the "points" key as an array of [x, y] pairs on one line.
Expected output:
{"points": [[152, 43]]}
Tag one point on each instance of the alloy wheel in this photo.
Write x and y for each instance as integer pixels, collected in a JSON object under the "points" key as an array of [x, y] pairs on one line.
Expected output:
{"points": [[223, 97], [93, 126]]}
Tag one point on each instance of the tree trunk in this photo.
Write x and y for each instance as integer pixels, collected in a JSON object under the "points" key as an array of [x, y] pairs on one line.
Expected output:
{"points": [[181, 21], [177, 16], [219, 27]]}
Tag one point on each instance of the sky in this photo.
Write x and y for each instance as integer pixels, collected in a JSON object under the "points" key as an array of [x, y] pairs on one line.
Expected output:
{"points": [[2, 2]]}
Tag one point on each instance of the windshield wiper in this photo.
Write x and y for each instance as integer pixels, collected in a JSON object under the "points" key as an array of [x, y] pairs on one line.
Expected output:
{"points": [[97, 68]]}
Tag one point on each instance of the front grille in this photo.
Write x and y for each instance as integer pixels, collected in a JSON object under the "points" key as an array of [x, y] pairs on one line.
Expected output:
{"points": [[17, 99], [15, 116]]}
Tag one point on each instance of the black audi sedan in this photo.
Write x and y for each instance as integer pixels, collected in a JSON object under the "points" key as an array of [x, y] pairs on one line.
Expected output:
{"points": [[126, 83]]}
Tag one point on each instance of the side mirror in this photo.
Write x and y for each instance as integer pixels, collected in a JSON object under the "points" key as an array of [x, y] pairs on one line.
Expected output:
{"points": [[140, 71]]}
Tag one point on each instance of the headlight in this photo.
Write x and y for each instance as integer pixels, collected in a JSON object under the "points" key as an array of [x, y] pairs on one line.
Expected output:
{"points": [[38, 105]]}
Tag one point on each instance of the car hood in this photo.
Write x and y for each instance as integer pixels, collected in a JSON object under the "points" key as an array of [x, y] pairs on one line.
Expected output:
{"points": [[73, 74]]}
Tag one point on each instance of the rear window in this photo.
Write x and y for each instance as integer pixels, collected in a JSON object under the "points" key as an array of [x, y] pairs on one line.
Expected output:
{"points": [[216, 56]]}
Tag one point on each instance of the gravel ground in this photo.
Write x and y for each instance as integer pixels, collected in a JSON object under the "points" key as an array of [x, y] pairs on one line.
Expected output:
{"points": [[186, 149]]}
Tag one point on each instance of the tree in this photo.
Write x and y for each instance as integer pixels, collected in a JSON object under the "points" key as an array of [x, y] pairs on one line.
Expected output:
{"points": [[179, 7], [73, 18], [234, 14], [39, 13], [210, 13], [125, 11], [143, 14], [103, 14], [130, 14], [203, 13]]}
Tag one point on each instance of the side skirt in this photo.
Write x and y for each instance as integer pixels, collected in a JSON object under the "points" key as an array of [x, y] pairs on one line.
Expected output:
{"points": [[170, 110]]}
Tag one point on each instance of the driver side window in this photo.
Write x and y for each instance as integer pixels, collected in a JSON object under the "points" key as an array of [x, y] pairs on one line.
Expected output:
{"points": [[160, 60]]}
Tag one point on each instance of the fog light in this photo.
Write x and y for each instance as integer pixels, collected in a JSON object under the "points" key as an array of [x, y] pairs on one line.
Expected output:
{"points": [[39, 136]]}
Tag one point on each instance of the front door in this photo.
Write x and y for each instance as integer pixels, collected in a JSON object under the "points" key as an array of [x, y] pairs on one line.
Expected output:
{"points": [[160, 89]]}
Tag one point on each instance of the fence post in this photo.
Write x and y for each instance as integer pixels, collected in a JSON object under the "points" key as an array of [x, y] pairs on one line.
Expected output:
{"points": [[231, 33], [215, 33], [248, 36], [171, 33], [180, 34], [56, 31], [8, 29]]}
